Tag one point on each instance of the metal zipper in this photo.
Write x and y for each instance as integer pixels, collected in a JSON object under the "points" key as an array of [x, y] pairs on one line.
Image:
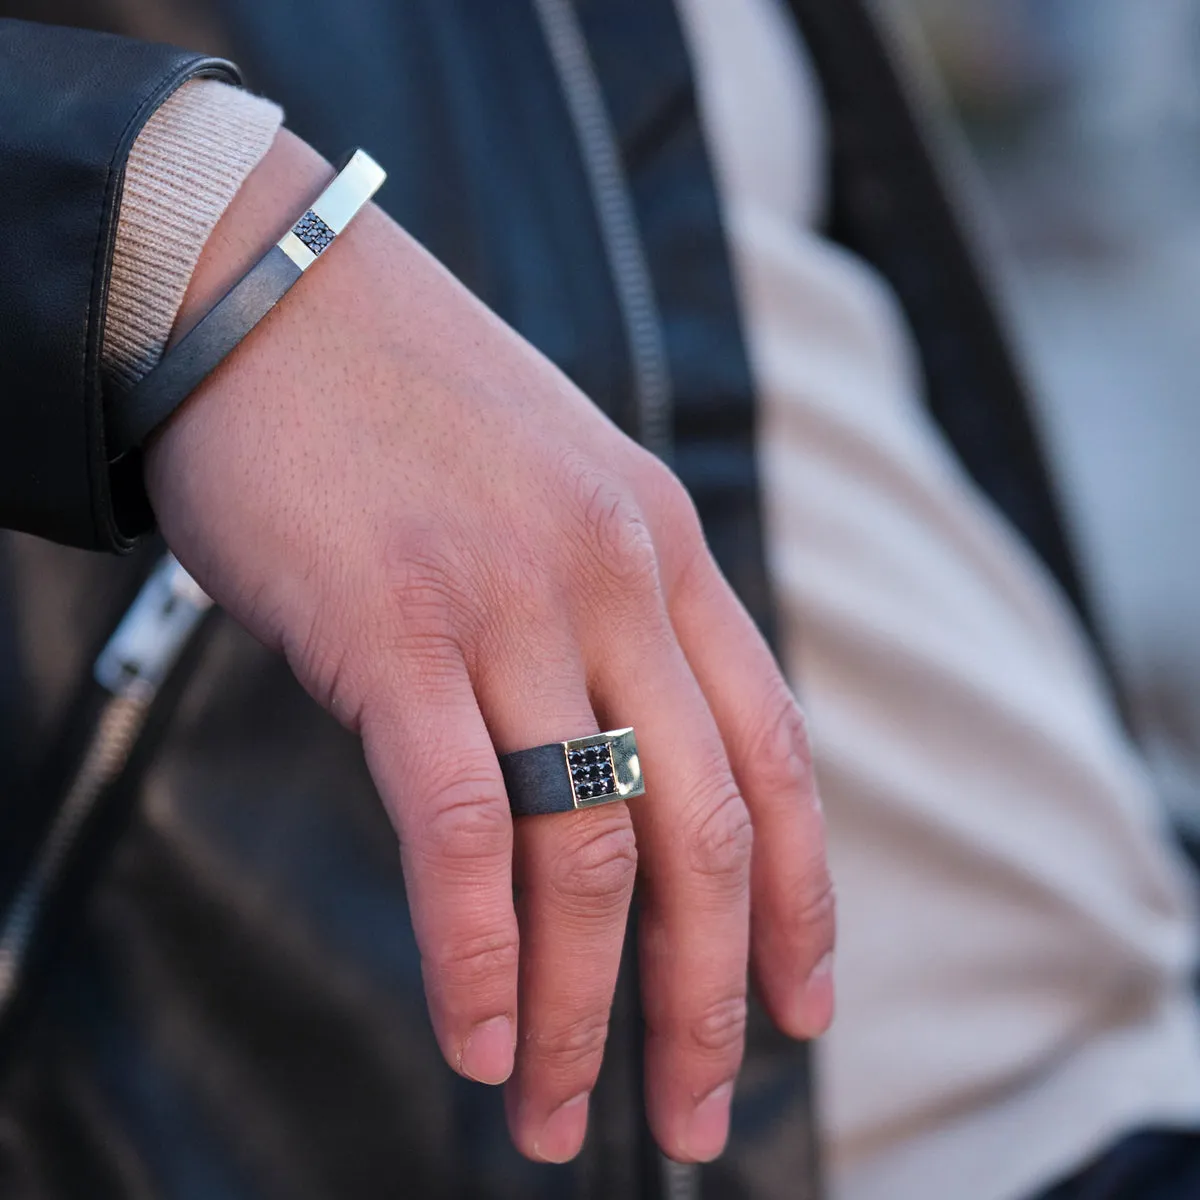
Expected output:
{"points": [[634, 286], [132, 667], [153, 633], [618, 224]]}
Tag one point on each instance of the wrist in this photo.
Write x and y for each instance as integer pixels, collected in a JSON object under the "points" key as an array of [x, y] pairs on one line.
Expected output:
{"points": [[265, 207]]}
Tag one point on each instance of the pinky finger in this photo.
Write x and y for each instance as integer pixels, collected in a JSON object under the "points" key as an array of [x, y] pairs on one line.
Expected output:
{"points": [[792, 904]]}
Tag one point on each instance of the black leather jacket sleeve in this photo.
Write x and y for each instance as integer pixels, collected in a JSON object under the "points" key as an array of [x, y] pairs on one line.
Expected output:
{"points": [[72, 103]]}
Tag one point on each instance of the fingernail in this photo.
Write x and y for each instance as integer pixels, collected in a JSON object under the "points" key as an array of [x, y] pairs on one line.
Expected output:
{"points": [[709, 1127], [487, 1054], [814, 1008], [563, 1133]]}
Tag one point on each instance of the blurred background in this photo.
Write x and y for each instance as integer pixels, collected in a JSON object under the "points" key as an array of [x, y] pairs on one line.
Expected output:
{"points": [[1082, 121]]}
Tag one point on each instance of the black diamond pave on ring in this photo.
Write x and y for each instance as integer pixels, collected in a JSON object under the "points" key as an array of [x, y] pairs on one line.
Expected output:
{"points": [[562, 776]]}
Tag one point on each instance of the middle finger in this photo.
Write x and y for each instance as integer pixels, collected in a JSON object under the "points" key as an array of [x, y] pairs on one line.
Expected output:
{"points": [[574, 872]]}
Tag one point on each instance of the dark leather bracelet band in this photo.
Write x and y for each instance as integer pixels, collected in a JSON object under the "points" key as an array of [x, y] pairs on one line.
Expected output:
{"points": [[132, 417], [562, 776]]}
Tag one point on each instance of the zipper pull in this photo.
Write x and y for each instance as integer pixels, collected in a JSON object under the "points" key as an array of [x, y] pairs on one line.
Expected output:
{"points": [[153, 632]]}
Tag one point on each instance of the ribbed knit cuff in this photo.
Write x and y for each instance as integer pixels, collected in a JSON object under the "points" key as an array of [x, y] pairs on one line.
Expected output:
{"points": [[184, 169]]}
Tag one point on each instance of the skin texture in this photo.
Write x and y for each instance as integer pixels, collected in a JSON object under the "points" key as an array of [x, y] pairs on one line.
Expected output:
{"points": [[443, 535]]}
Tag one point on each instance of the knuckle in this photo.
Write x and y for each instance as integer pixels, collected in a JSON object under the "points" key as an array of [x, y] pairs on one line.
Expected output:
{"points": [[598, 870], [722, 839], [324, 663], [686, 558], [720, 1028], [464, 964], [520, 614], [803, 926], [781, 758], [814, 908], [422, 588], [575, 1046], [465, 821], [671, 502], [615, 540]]}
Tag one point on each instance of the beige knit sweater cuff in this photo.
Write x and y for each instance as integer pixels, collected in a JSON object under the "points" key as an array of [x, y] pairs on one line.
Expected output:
{"points": [[183, 171]]}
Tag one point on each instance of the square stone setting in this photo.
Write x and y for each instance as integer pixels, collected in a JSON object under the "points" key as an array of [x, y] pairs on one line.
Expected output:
{"points": [[313, 232]]}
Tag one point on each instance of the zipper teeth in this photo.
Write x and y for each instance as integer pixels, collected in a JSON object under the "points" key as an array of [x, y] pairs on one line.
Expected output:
{"points": [[112, 743], [135, 661], [618, 225]]}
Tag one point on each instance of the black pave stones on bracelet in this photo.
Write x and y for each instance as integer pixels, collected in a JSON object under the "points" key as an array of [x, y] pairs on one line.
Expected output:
{"points": [[313, 232], [562, 776]]}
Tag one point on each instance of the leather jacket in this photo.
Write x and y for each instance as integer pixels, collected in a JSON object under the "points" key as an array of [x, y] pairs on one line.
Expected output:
{"points": [[209, 986]]}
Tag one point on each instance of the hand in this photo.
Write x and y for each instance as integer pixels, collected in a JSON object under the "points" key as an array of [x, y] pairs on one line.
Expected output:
{"points": [[460, 555]]}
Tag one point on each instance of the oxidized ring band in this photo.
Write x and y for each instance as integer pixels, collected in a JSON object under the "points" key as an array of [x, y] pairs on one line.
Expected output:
{"points": [[561, 776]]}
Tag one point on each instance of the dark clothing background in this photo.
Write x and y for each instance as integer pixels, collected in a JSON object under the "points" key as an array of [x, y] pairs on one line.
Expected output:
{"points": [[1151, 1165]]}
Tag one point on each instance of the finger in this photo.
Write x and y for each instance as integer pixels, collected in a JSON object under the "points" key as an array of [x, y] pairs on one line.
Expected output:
{"points": [[793, 924], [694, 843], [575, 875], [437, 772]]}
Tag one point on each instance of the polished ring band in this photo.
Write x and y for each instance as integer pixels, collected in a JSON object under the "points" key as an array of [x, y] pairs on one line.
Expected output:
{"points": [[562, 776]]}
